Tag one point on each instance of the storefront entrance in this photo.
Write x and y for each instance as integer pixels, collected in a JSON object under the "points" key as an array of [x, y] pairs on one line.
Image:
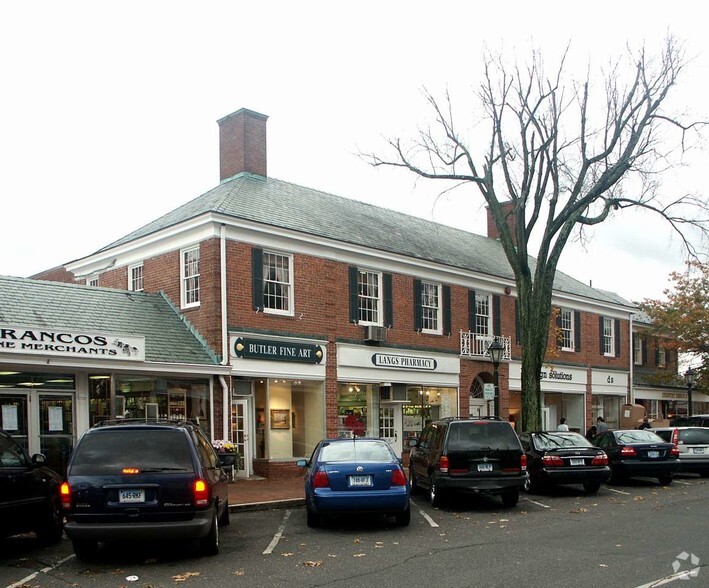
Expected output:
{"points": [[240, 426], [390, 426]]}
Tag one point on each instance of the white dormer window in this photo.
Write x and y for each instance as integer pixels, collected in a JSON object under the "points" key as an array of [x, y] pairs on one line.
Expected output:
{"points": [[189, 271], [135, 277]]}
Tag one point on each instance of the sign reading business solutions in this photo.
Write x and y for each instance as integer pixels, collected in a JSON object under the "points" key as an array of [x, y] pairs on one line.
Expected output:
{"points": [[65, 343], [248, 348]]}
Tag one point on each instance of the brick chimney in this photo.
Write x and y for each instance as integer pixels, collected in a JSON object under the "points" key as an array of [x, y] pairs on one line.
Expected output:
{"points": [[508, 212], [242, 144]]}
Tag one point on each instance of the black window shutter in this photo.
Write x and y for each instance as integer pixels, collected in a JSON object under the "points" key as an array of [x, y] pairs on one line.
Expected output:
{"points": [[257, 278], [446, 310], [577, 331], [471, 310], [418, 319], [354, 294], [617, 337], [388, 302], [518, 329], [600, 333], [496, 323], [559, 334], [643, 344]]}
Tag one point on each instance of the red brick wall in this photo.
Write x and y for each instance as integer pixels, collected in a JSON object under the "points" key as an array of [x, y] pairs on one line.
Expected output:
{"points": [[56, 274]]}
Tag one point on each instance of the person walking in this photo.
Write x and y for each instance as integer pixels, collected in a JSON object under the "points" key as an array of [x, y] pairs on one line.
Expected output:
{"points": [[645, 424], [601, 424], [562, 425], [591, 433]]}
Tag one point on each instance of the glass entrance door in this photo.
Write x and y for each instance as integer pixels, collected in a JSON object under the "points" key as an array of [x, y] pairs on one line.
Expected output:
{"points": [[391, 426], [14, 418], [240, 425], [56, 426]]}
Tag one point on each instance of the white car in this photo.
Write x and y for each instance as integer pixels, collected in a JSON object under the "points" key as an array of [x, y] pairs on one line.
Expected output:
{"points": [[693, 445]]}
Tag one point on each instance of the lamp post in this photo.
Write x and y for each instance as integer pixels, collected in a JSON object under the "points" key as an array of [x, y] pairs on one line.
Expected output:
{"points": [[495, 350], [689, 377]]}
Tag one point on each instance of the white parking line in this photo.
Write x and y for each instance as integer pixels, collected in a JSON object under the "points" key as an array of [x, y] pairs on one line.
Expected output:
{"points": [[431, 522], [277, 536], [667, 579], [681, 482], [616, 491], [537, 503], [42, 571]]}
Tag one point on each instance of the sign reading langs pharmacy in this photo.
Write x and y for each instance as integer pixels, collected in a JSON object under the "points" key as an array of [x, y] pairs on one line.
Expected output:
{"points": [[248, 348], [409, 362], [65, 343]]}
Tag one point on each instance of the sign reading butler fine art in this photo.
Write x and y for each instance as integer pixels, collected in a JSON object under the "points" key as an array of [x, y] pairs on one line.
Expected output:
{"points": [[34, 341], [248, 348]]}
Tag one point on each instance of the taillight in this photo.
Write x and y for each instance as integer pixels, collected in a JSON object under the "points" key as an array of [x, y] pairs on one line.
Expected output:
{"points": [[628, 451], [443, 464], [552, 460], [675, 436], [600, 460], [674, 452], [65, 495], [201, 493], [523, 462], [130, 471], [399, 478], [321, 480]]}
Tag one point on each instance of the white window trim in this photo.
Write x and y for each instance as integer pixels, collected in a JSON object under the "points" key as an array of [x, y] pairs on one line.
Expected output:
{"points": [[610, 321], [183, 279], [130, 277], [480, 296], [572, 329], [380, 300], [291, 287], [439, 317], [638, 350], [92, 281]]}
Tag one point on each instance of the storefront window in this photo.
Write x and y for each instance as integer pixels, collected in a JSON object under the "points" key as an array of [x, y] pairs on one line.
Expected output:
{"points": [[569, 406], [427, 404], [609, 408], [290, 417], [358, 410]]}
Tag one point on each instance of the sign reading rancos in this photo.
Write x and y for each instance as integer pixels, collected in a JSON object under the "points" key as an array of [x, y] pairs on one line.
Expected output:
{"points": [[35, 341]]}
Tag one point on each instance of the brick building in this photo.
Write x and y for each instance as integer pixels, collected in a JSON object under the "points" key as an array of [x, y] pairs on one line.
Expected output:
{"points": [[338, 317]]}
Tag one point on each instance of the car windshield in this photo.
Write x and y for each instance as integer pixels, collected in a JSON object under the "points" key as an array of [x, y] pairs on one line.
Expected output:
{"points": [[639, 436], [473, 435], [11, 455], [546, 441], [361, 450], [108, 452], [694, 436]]}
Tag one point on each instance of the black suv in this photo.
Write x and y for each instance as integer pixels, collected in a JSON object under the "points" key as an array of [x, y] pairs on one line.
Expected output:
{"points": [[29, 494], [145, 480], [481, 455]]}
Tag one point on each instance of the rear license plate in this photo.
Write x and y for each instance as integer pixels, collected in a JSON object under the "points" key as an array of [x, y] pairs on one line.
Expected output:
{"points": [[484, 467], [653, 454], [577, 462], [360, 481], [132, 495], [697, 449]]}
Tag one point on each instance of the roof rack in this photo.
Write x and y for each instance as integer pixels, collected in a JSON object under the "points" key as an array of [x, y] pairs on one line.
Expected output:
{"points": [[144, 421], [471, 418]]}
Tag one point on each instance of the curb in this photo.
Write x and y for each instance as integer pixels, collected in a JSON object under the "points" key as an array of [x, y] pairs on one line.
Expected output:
{"points": [[270, 504]]}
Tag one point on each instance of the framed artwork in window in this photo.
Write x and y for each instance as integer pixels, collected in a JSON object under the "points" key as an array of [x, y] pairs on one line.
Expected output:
{"points": [[280, 418]]}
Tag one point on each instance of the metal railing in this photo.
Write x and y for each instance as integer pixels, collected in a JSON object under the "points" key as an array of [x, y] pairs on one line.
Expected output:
{"points": [[474, 345]]}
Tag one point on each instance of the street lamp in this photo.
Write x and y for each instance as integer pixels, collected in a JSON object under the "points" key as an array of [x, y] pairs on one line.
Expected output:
{"points": [[689, 377], [495, 350]]}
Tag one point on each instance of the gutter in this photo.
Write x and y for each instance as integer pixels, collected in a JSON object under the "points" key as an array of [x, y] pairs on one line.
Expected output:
{"points": [[226, 406]]}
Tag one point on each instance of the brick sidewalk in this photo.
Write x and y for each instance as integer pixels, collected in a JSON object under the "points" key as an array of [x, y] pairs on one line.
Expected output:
{"points": [[262, 493]]}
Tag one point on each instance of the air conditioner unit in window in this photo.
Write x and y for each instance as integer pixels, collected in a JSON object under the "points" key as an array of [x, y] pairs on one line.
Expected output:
{"points": [[372, 333]]}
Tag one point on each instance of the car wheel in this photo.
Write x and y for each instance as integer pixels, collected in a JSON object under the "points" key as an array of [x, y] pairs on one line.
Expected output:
{"points": [[510, 497], [404, 518], [665, 480], [313, 519], [224, 518], [414, 483], [591, 487], [209, 544], [435, 495], [51, 530], [84, 549]]}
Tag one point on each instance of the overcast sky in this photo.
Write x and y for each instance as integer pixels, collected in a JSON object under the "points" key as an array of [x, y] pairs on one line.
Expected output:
{"points": [[108, 109]]}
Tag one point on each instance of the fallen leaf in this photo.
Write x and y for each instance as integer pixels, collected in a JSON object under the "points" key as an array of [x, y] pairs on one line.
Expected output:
{"points": [[312, 564], [184, 577], [639, 498], [239, 573], [359, 555], [579, 510], [331, 555], [602, 565], [358, 540], [286, 554]]}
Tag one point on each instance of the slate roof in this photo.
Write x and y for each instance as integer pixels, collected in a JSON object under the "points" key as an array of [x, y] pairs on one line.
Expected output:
{"points": [[285, 205], [168, 339]]}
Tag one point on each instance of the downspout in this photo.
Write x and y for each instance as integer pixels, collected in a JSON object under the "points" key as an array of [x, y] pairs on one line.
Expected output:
{"points": [[226, 403], [631, 390]]}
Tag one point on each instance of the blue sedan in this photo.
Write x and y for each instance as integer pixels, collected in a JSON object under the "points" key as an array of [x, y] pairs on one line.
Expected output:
{"points": [[351, 476]]}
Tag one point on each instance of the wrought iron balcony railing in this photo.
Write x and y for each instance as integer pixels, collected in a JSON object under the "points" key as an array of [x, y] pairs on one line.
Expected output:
{"points": [[474, 345]]}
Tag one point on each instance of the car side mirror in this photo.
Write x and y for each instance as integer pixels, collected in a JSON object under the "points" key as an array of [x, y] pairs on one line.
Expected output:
{"points": [[301, 463], [39, 459]]}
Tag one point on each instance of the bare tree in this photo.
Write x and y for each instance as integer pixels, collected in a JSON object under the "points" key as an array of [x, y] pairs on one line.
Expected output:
{"points": [[557, 160]]}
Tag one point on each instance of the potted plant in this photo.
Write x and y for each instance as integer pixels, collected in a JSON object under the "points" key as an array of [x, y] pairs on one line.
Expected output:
{"points": [[228, 456]]}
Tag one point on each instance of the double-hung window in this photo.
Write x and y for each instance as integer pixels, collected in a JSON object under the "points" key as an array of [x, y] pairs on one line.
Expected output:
{"points": [[189, 270], [430, 307], [608, 336], [92, 281], [277, 283], [566, 324], [370, 297], [638, 350], [483, 314], [135, 277]]}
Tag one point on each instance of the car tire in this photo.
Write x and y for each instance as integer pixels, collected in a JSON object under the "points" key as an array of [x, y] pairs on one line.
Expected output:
{"points": [[224, 518], [85, 549], [404, 518], [209, 544], [414, 483], [591, 487], [510, 498], [665, 480], [312, 518], [52, 528], [435, 494]]}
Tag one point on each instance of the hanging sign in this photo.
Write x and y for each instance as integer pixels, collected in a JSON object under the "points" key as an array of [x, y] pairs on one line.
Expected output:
{"points": [[248, 348]]}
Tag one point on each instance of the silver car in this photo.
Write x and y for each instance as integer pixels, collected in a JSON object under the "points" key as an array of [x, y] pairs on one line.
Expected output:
{"points": [[693, 445]]}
